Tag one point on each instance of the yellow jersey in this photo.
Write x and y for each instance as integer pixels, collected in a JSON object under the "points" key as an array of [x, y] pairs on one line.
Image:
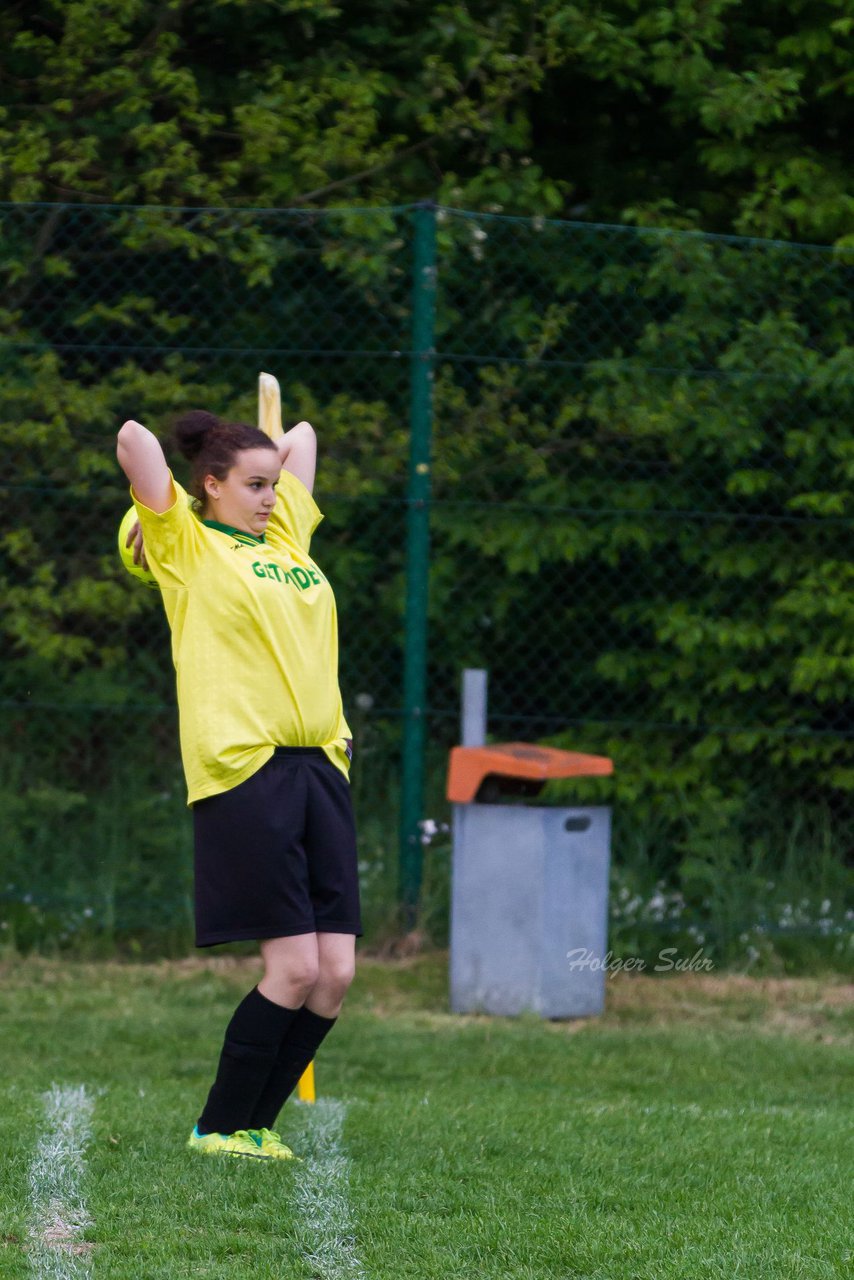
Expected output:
{"points": [[254, 638]]}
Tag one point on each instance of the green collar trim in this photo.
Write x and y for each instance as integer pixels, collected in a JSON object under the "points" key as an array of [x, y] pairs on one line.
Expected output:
{"points": [[240, 534]]}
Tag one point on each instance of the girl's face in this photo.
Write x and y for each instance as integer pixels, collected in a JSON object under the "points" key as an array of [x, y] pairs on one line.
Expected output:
{"points": [[247, 495]]}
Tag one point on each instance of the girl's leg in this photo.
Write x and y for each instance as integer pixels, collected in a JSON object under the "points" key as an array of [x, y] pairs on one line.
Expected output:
{"points": [[256, 1031], [336, 953]]}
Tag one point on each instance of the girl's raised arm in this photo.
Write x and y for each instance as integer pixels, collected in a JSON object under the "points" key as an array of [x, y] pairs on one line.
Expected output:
{"points": [[141, 458]]}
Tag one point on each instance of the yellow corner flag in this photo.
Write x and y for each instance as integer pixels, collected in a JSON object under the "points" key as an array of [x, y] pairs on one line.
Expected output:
{"points": [[305, 1087]]}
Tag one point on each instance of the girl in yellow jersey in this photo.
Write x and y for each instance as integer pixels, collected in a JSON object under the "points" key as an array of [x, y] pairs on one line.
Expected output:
{"points": [[265, 747]]}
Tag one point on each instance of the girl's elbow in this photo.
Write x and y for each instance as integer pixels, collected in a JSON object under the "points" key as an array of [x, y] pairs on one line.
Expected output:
{"points": [[130, 447], [123, 447], [128, 432]]}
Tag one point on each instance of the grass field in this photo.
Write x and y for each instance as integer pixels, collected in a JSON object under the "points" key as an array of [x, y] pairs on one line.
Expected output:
{"points": [[700, 1129]]}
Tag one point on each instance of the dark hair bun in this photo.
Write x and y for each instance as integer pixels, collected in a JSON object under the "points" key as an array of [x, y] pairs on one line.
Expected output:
{"points": [[192, 430]]}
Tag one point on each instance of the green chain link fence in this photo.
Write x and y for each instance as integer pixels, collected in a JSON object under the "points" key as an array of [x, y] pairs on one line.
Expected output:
{"points": [[612, 466]]}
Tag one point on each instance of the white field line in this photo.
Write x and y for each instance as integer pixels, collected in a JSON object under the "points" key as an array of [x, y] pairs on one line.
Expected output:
{"points": [[58, 1216], [694, 1110], [325, 1229]]}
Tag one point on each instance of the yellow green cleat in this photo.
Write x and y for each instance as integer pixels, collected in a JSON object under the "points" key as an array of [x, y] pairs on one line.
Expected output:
{"points": [[254, 1144]]}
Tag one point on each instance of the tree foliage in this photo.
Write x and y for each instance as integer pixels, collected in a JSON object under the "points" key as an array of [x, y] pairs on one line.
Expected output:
{"points": [[712, 113]]}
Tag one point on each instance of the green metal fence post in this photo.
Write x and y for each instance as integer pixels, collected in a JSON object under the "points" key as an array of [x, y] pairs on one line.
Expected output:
{"points": [[417, 553]]}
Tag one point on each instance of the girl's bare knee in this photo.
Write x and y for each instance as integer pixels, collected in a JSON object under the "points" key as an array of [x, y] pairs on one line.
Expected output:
{"points": [[302, 975], [290, 971], [336, 976]]}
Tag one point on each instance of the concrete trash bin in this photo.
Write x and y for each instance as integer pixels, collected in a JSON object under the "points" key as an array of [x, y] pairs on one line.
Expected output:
{"points": [[529, 889]]}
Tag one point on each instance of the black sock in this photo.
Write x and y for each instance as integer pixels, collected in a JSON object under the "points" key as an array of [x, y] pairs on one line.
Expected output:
{"points": [[252, 1039], [300, 1044]]}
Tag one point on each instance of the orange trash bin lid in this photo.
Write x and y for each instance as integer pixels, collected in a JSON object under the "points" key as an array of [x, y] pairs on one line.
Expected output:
{"points": [[468, 766]]}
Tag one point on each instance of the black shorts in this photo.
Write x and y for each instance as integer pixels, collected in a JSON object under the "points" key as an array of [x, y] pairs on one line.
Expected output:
{"points": [[276, 855]]}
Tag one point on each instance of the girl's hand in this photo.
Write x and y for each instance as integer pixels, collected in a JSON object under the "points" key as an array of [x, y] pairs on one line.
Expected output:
{"points": [[135, 537]]}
